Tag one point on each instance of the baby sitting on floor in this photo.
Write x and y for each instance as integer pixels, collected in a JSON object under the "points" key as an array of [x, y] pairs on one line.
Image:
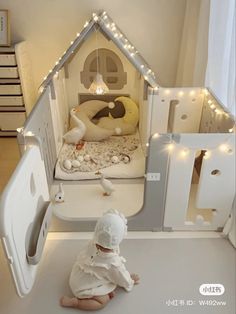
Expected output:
{"points": [[99, 268]]}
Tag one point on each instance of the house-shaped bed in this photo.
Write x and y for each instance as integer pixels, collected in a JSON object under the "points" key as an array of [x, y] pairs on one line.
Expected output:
{"points": [[174, 171]]}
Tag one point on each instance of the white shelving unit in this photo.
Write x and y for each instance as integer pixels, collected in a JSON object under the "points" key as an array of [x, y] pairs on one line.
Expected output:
{"points": [[12, 109], [17, 93]]}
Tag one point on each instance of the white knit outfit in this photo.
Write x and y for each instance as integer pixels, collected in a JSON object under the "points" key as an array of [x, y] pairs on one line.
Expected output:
{"points": [[98, 273]]}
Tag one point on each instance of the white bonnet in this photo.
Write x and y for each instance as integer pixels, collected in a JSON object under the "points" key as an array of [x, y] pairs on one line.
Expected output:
{"points": [[110, 229]]}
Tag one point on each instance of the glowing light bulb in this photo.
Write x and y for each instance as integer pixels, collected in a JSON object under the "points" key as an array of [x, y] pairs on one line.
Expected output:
{"points": [[116, 35], [98, 86], [206, 92], [95, 18], [142, 66], [231, 130], [29, 133], [207, 154], [145, 77], [170, 147], [71, 42], [56, 63], [147, 144], [213, 107], [226, 114], [149, 71], [41, 89], [192, 93], [156, 135], [184, 152], [78, 34], [181, 93], [86, 24], [224, 148], [209, 102], [107, 25], [167, 91], [132, 54], [20, 130]]}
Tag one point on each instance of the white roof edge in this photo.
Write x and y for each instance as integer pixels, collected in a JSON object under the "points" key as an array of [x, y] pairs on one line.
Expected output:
{"points": [[119, 39]]}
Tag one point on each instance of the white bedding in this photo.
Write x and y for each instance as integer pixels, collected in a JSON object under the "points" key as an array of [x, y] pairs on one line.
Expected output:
{"points": [[100, 159]]}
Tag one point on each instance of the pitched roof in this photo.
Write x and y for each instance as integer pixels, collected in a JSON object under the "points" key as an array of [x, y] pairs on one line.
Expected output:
{"points": [[111, 30]]}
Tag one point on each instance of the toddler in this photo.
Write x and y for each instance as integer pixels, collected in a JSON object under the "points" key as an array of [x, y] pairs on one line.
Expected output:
{"points": [[99, 268]]}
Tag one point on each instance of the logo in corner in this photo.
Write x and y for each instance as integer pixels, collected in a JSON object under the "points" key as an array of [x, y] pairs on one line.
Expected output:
{"points": [[212, 289]]}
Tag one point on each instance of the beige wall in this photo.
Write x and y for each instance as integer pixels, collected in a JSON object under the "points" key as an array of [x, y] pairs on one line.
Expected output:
{"points": [[153, 26]]}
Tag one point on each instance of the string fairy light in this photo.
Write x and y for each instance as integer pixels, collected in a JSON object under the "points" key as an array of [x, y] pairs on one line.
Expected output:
{"points": [[110, 28]]}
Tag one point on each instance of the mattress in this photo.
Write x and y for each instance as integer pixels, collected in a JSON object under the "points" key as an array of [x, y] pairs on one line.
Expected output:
{"points": [[116, 157]]}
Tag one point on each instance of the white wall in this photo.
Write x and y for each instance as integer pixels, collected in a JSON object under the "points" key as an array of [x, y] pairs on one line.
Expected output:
{"points": [[153, 26]]}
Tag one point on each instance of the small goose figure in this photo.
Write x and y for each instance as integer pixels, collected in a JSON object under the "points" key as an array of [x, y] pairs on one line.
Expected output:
{"points": [[76, 134], [60, 196], [106, 184]]}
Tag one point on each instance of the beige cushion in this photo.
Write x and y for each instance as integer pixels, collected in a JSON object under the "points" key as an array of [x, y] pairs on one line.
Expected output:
{"points": [[85, 113], [119, 123], [127, 124]]}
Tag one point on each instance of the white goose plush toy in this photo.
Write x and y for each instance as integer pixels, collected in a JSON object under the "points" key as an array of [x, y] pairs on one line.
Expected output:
{"points": [[106, 184], [76, 134], [60, 196]]}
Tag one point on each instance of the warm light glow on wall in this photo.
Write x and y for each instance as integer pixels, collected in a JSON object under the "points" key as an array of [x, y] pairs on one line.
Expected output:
{"points": [[185, 152], [225, 148], [170, 147]]}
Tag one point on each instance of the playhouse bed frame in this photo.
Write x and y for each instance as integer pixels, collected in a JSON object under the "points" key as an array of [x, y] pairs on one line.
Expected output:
{"points": [[177, 125]]}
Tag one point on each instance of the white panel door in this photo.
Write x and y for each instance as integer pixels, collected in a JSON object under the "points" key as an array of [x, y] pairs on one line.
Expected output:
{"points": [[23, 208]]}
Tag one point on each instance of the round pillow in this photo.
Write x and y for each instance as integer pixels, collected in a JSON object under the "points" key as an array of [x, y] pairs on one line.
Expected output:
{"points": [[85, 113]]}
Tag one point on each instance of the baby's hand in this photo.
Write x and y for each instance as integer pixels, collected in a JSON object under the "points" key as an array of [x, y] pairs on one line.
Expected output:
{"points": [[135, 278]]}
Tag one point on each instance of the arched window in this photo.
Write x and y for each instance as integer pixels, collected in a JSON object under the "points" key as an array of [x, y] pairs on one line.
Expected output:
{"points": [[110, 66]]}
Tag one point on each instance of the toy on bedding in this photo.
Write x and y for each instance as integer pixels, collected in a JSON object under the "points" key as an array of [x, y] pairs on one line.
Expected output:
{"points": [[77, 133], [107, 126], [85, 113], [125, 125], [106, 184], [60, 196]]}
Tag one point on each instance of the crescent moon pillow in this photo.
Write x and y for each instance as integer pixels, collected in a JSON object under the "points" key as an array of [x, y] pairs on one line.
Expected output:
{"points": [[127, 124], [85, 113]]}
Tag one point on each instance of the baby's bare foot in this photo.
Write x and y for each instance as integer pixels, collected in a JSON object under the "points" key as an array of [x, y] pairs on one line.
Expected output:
{"points": [[68, 302], [135, 278]]}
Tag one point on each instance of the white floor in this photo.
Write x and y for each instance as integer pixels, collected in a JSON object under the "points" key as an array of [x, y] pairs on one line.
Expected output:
{"points": [[170, 269], [85, 200]]}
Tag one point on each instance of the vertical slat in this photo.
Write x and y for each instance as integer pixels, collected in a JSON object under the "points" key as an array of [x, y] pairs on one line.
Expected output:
{"points": [[179, 184]]}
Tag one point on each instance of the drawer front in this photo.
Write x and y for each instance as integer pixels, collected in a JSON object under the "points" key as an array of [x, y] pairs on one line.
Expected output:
{"points": [[10, 121], [6, 72], [10, 90], [6, 59], [11, 101]]}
